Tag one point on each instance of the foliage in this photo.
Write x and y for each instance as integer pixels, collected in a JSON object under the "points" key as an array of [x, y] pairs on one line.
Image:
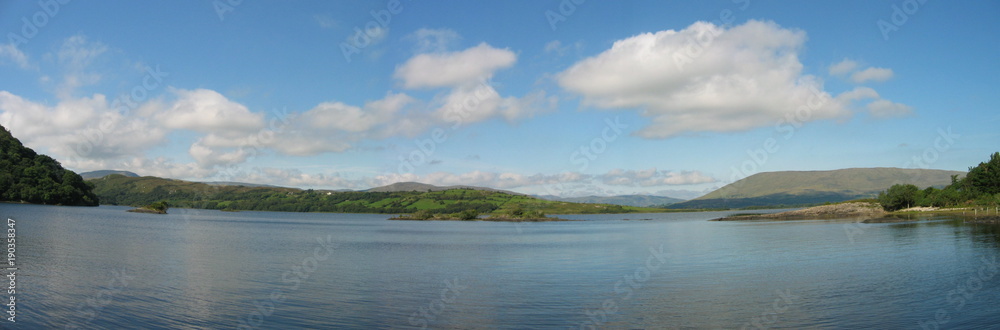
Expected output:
{"points": [[899, 196], [470, 214], [158, 206], [26, 176], [984, 179], [980, 187], [121, 190]]}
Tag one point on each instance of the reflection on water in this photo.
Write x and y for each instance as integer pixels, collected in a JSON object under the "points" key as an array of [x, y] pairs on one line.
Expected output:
{"points": [[105, 268]]}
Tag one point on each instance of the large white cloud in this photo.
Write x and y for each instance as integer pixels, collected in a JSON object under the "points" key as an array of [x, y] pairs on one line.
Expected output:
{"points": [[207, 111], [704, 78], [455, 68], [84, 128]]}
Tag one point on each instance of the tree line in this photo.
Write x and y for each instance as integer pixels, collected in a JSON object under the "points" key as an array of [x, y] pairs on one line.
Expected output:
{"points": [[980, 187]]}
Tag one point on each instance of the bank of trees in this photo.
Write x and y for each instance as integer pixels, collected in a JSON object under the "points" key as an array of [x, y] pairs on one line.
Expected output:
{"points": [[980, 187], [26, 176]]}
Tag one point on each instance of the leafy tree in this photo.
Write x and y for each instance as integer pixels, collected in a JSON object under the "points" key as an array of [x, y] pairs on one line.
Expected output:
{"points": [[159, 206], [899, 196], [984, 178]]}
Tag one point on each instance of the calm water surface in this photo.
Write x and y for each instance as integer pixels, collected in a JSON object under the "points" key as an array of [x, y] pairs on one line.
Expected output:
{"points": [[106, 268]]}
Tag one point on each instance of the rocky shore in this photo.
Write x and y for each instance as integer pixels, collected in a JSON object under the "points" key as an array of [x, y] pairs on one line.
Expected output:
{"points": [[842, 210]]}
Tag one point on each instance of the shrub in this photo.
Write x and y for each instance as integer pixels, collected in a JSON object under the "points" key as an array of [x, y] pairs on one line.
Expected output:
{"points": [[470, 214]]}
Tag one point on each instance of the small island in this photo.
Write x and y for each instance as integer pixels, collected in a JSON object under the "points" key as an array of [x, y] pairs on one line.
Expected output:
{"points": [[155, 208], [512, 215]]}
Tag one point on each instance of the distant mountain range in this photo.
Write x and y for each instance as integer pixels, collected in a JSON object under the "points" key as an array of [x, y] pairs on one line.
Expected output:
{"points": [[399, 199], [244, 184], [786, 188], [796, 188], [103, 173], [628, 200], [423, 187]]}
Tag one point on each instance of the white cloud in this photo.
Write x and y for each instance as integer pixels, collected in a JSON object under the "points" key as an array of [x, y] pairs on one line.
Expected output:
{"points": [[843, 67], [556, 47], [208, 157], [873, 74], [858, 93], [75, 55], [334, 126], [737, 79], [208, 111], [325, 21], [888, 109], [455, 68], [503, 180], [11, 53], [349, 118], [433, 40], [472, 96], [86, 128], [653, 177], [295, 178]]}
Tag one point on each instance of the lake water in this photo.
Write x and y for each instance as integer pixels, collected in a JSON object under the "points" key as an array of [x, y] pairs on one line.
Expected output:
{"points": [[106, 268]]}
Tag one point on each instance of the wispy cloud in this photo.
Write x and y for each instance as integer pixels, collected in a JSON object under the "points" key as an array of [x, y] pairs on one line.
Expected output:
{"points": [[888, 109], [433, 40], [872, 74], [843, 67], [10, 52]]}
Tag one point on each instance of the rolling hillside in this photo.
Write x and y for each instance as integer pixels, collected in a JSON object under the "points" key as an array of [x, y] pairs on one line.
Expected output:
{"points": [[795, 188], [121, 190], [417, 186], [103, 173], [629, 200]]}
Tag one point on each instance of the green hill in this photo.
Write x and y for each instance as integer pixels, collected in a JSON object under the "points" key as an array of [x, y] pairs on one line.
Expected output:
{"points": [[796, 188], [628, 200], [103, 173], [29, 177], [121, 190]]}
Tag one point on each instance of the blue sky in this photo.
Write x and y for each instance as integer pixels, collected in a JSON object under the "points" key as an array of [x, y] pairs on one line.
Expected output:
{"points": [[549, 97]]}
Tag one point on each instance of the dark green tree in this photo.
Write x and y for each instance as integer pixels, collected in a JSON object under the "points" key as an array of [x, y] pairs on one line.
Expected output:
{"points": [[984, 178], [899, 196]]}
